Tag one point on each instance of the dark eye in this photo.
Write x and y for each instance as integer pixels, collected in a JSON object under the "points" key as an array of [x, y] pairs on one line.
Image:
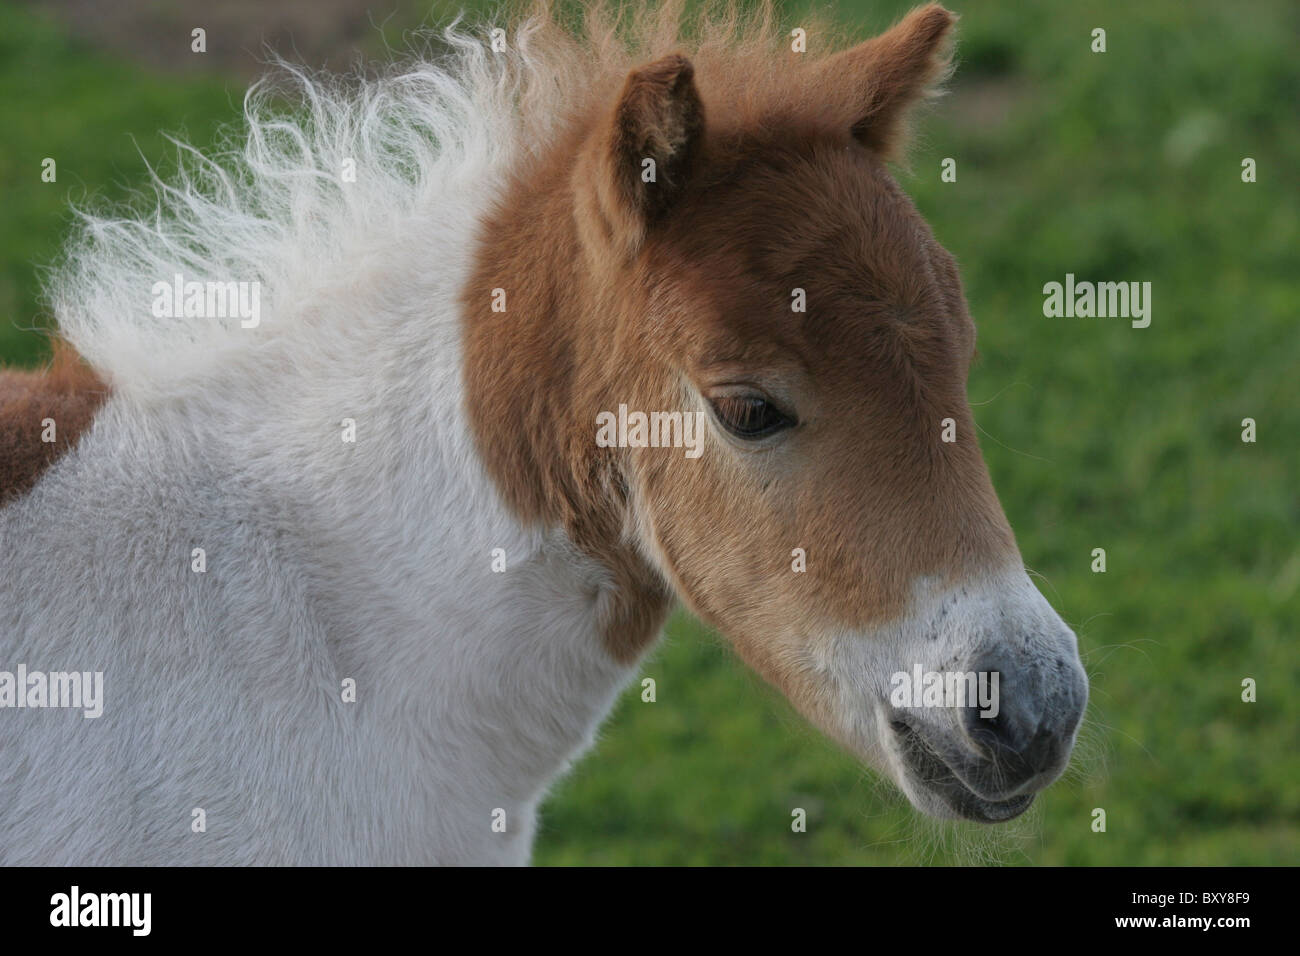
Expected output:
{"points": [[749, 416]]}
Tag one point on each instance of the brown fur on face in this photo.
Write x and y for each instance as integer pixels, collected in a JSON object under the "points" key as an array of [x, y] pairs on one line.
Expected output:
{"points": [[863, 483], [660, 294], [68, 392]]}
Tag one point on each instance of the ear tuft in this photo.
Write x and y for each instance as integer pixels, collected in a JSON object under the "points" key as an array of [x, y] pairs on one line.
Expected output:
{"points": [[642, 154]]}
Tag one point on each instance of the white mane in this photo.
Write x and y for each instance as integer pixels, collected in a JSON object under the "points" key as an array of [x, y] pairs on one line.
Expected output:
{"points": [[271, 206]]}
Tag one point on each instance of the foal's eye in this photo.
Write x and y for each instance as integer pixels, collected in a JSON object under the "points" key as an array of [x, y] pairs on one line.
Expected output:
{"points": [[749, 416]]}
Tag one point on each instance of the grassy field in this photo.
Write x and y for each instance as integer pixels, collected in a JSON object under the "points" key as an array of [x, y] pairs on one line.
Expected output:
{"points": [[1123, 165]]}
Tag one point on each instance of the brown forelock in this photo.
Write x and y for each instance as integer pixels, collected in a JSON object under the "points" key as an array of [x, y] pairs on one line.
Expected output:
{"points": [[781, 193], [68, 391]]}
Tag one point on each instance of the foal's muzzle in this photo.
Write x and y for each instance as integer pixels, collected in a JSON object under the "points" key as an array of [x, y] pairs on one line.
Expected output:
{"points": [[988, 766]]}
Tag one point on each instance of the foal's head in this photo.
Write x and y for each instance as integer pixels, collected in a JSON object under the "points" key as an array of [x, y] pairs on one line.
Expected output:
{"points": [[752, 259]]}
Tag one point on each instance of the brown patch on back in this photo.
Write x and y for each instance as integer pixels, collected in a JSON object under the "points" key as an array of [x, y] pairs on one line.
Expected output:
{"points": [[69, 392]]}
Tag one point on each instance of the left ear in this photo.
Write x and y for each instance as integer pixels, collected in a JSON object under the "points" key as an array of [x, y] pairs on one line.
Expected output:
{"points": [[876, 83], [634, 167]]}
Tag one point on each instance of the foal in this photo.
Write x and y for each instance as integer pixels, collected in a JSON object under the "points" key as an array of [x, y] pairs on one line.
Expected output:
{"points": [[361, 581]]}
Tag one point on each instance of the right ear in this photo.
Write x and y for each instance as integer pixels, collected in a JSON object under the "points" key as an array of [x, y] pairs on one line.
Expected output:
{"points": [[873, 85], [633, 169]]}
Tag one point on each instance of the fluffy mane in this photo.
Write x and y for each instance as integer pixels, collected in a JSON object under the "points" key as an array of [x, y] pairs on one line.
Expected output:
{"points": [[269, 204]]}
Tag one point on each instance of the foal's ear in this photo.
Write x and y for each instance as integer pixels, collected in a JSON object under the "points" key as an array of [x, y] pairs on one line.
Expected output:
{"points": [[640, 157], [875, 83]]}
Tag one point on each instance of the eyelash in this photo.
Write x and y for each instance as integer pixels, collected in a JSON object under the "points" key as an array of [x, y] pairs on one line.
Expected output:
{"points": [[749, 417]]}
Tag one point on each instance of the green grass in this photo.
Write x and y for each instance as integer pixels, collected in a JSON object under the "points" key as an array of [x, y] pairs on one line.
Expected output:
{"points": [[95, 117], [1119, 166]]}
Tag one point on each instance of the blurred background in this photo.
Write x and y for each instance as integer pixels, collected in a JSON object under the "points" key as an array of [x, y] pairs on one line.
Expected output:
{"points": [[1116, 166]]}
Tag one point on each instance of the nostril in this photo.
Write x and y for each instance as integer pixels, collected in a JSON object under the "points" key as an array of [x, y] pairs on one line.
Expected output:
{"points": [[1004, 731], [1026, 726], [1019, 752]]}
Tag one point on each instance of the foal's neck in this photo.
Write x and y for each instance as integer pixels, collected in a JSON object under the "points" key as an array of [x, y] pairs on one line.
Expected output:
{"points": [[539, 340]]}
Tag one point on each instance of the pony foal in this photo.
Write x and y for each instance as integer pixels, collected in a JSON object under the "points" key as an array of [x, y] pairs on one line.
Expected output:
{"points": [[361, 580]]}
